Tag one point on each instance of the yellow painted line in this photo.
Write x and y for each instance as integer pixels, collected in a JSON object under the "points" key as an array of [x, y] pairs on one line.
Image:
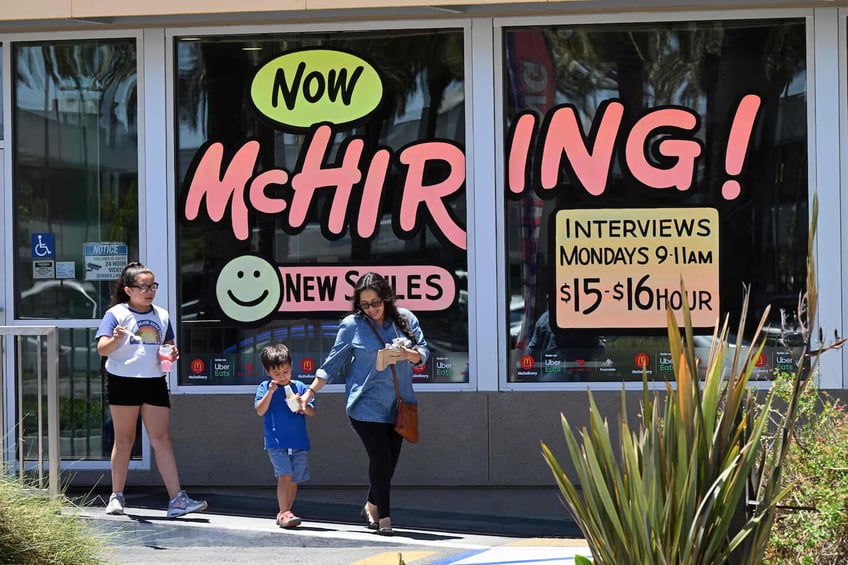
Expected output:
{"points": [[394, 557], [549, 542]]}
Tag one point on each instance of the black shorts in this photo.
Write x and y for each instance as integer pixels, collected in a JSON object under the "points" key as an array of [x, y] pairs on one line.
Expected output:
{"points": [[135, 391]]}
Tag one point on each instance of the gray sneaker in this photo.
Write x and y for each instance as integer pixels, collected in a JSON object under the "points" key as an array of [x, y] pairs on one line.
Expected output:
{"points": [[116, 504], [182, 505]]}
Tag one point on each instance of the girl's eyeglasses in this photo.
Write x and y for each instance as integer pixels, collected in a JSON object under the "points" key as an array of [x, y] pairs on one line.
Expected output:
{"points": [[146, 288]]}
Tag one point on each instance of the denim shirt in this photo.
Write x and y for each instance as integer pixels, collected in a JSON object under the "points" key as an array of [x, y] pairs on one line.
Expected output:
{"points": [[369, 393]]}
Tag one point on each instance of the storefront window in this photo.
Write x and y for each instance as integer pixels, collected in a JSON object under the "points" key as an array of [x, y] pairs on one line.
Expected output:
{"points": [[305, 160], [75, 174], [639, 154]]}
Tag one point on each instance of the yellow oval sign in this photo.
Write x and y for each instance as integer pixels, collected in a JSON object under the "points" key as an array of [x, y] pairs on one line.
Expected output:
{"points": [[303, 88]]}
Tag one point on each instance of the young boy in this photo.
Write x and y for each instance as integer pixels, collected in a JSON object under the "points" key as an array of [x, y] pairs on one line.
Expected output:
{"points": [[285, 428]]}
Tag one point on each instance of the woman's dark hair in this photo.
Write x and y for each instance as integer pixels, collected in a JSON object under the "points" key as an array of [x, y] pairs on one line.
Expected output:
{"points": [[373, 281], [128, 278]]}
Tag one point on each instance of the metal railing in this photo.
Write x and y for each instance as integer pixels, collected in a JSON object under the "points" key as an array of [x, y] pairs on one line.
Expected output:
{"points": [[46, 359]]}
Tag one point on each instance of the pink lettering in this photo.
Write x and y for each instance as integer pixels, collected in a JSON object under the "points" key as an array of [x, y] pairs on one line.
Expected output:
{"points": [[563, 135], [257, 194], [684, 152], [314, 175], [415, 193], [737, 143], [519, 152], [220, 189], [590, 158], [235, 186], [366, 223]]}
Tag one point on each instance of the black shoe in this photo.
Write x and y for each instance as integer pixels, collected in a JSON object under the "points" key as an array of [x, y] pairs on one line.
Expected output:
{"points": [[384, 532]]}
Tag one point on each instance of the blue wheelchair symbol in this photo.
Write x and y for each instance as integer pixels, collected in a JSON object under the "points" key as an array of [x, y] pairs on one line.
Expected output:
{"points": [[43, 245]]}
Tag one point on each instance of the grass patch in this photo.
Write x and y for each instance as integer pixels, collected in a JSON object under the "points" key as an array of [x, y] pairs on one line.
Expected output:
{"points": [[37, 529]]}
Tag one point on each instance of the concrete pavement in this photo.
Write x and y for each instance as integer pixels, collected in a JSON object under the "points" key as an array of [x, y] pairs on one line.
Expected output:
{"points": [[432, 526]]}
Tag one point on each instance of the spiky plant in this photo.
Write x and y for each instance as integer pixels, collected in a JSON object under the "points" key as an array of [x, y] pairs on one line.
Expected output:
{"points": [[696, 483]]}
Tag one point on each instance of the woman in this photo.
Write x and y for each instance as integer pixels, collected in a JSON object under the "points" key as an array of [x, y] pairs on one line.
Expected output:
{"points": [[370, 395], [129, 337]]}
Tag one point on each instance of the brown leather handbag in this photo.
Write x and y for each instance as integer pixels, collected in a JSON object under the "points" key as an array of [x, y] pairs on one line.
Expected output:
{"points": [[406, 419]]}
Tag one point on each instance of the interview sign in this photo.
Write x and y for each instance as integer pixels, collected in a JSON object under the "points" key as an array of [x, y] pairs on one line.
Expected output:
{"points": [[621, 268]]}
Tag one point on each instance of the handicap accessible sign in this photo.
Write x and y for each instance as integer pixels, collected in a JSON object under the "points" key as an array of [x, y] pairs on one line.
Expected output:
{"points": [[43, 246], [104, 260]]}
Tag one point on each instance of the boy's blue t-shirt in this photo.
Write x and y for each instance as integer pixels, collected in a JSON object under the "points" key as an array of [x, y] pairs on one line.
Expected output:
{"points": [[284, 429]]}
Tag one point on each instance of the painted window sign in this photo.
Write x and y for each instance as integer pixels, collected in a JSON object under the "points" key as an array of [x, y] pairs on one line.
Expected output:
{"points": [[663, 135], [251, 290], [621, 268], [560, 142], [321, 89], [236, 188], [303, 88], [660, 152]]}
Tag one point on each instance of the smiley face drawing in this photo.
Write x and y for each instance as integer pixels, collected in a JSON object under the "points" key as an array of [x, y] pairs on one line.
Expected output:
{"points": [[248, 289]]}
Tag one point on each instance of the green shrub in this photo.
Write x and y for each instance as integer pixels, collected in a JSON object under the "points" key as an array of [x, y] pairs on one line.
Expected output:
{"points": [[812, 523], [36, 529], [674, 491], [699, 482]]}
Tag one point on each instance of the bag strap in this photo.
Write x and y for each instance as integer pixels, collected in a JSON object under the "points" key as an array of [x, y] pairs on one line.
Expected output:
{"points": [[394, 373]]}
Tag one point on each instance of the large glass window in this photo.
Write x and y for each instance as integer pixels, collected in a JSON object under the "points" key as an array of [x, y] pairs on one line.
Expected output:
{"points": [[75, 196], [639, 154], [310, 159], [75, 174]]}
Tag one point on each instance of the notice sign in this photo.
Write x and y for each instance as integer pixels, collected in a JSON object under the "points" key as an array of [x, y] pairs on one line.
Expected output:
{"points": [[104, 260], [619, 269], [42, 269]]}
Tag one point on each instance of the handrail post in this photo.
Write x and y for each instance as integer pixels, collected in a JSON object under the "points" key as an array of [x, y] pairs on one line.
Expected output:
{"points": [[53, 453], [51, 352]]}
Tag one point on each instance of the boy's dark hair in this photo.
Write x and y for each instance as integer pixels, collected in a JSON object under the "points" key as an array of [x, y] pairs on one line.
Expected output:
{"points": [[274, 355]]}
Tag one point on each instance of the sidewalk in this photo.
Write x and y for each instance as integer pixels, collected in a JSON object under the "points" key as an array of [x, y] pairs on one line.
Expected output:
{"points": [[538, 530]]}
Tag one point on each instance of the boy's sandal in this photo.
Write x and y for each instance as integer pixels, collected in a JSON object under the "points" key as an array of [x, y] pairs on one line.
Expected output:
{"points": [[289, 520]]}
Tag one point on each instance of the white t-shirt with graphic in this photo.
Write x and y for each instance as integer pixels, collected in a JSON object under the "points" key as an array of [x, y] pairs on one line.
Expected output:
{"points": [[138, 355]]}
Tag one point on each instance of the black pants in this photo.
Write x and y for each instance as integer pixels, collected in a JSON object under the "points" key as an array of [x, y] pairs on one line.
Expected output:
{"points": [[382, 443]]}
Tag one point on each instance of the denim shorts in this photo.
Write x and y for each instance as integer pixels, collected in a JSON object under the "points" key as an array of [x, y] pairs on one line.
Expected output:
{"points": [[290, 462]]}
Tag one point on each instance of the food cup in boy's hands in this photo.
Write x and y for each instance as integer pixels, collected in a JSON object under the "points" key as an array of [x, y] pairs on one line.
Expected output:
{"points": [[292, 399]]}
